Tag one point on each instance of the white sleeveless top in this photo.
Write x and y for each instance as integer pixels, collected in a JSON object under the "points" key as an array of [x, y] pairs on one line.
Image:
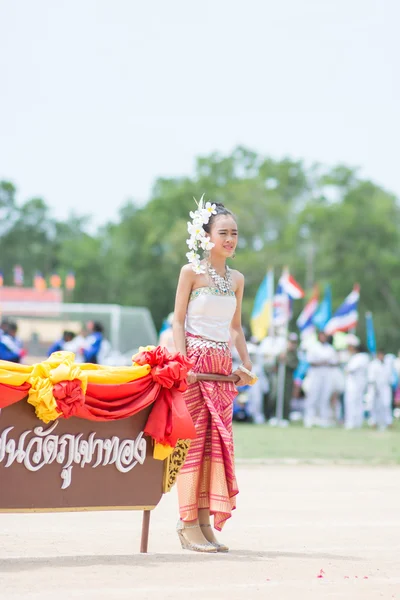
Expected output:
{"points": [[209, 313]]}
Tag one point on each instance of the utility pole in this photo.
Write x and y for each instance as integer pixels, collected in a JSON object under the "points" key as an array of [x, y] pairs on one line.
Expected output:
{"points": [[310, 263]]}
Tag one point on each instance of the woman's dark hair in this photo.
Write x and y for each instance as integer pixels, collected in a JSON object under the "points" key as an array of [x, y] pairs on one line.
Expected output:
{"points": [[221, 210]]}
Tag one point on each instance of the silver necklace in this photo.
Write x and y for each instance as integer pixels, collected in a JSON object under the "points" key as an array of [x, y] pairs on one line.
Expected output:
{"points": [[223, 284]]}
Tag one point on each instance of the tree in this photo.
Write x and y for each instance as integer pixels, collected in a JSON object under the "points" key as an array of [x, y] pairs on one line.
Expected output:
{"points": [[326, 224]]}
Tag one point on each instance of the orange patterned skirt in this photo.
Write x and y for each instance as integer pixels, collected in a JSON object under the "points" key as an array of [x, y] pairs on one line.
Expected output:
{"points": [[207, 478]]}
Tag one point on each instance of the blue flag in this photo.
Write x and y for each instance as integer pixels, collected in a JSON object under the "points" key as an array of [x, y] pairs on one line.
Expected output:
{"points": [[371, 339], [324, 310], [261, 317]]}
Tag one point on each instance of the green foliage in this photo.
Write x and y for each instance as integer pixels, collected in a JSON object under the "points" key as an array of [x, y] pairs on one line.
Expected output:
{"points": [[327, 225]]}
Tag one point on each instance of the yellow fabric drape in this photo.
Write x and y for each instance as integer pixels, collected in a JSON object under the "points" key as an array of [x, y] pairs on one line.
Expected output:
{"points": [[16, 374], [61, 366], [13, 373]]}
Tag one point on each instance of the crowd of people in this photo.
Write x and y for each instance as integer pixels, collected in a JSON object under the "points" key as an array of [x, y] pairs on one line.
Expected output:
{"points": [[89, 345], [321, 384], [326, 385]]}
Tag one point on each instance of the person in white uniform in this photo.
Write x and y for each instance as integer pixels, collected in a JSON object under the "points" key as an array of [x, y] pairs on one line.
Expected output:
{"points": [[356, 372], [260, 388], [322, 358], [380, 376]]}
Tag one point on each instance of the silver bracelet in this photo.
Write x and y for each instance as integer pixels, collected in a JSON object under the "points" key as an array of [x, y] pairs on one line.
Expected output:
{"points": [[249, 373]]}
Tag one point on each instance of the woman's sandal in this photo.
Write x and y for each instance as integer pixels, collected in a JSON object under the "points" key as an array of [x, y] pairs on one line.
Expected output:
{"points": [[217, 545], [187, 545]]}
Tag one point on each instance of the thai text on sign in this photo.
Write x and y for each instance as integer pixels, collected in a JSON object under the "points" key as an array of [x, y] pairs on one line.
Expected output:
{"points": [[36, 448]]}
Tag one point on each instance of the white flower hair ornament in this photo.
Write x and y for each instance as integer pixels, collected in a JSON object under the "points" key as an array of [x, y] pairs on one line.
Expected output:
{"points": [[198, 237]]}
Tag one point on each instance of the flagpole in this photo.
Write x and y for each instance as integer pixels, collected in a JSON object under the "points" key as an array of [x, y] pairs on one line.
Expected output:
{"points": [[280, 398], [271, 292], [370, 331], [310, 257]]}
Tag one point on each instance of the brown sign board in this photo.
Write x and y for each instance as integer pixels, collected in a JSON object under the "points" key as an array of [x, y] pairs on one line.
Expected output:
{"points": [[76, 464]]}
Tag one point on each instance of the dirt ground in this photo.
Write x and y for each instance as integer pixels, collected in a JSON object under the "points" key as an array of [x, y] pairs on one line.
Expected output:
{"points": [[291, 523]]}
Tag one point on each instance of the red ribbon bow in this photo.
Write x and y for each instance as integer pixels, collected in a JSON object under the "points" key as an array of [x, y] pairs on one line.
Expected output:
{"points": [[169, 419], [69, 397]]}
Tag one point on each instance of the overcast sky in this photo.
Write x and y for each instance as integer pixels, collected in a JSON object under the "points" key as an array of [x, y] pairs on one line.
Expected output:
{"points": [[98, 98]]}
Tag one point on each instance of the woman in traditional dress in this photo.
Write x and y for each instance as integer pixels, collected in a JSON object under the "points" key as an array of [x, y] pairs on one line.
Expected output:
{"points": [[207, 318]]}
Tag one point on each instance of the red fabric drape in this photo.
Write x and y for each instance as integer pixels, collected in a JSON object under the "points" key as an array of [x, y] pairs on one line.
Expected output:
{"points": [[10, 394], [110, 402]]}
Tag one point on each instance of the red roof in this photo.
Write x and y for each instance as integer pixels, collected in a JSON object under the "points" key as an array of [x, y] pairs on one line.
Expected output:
{"points": [[23, 294]]}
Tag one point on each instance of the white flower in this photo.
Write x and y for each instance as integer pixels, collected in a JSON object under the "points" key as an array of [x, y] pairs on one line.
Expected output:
{"points": [[199, 221], [197, 218], [201, 236], [207, 212], [196, 230], [205, 217], [198, 236], [207, 244], [193, 256], [192, 243], [211, 209], [199, 269]]}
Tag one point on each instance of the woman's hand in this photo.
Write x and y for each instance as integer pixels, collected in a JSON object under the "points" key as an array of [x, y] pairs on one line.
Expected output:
{"points": [[244, 379], [191, 378]]}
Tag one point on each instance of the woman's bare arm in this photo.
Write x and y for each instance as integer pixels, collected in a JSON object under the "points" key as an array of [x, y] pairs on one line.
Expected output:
{"points": [[237, 334], [183, 291]]}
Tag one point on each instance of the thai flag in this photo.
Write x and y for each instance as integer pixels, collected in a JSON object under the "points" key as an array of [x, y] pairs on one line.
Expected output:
{"points": [[290, 286], [305, 320], [282, 307], [346, 316]]}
